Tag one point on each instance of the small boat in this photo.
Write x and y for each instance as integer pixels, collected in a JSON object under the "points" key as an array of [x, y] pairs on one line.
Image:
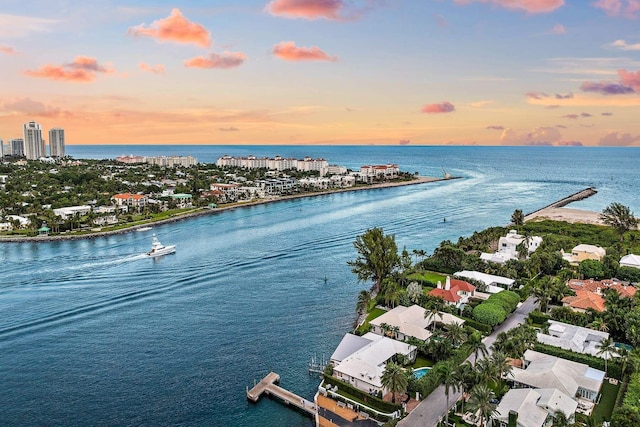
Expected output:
{"points": [[158, 249], [144, 229]]}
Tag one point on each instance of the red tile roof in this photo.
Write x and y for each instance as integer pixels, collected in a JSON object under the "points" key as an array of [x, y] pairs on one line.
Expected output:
{"points": [[451, 294], [584, 300], [593, 286], [128, 196]]}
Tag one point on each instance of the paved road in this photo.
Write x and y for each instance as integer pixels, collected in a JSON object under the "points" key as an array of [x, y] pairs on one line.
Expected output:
{"points": [[432, 409]]}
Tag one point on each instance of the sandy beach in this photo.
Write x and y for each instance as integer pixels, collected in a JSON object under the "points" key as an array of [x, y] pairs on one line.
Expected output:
{"points": [[207, 211], [567, 215]]}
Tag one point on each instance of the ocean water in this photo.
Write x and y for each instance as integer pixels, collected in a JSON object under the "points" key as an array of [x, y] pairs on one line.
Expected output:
{"points": [[93, 333]]}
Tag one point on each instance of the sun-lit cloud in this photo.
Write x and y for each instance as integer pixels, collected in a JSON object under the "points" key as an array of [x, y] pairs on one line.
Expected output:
{"points": [[290, 52], [481, 104], [623, 45], [308, 9], [537, 136], [174, 28], [15, 26], [29, 107], [443, 107], [214, 60], [529, 6], [624, 8], [8, 50], [154, 69], [558, 29], [631, 79], [612, 139], [404, 142], [83, 69]]}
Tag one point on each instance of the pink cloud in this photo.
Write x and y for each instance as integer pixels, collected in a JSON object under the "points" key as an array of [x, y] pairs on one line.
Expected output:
{"points": [[404, 142], [626, 8], [611, 139], [529, 6], [155, 69], [536, 95], [8, 50], [174, 28], [83, 69], [561, 96], [569, 144], [290, 52], [629, 78], [29, 107], [224, 61], [558, 29], [444, 107], [309, 9]]}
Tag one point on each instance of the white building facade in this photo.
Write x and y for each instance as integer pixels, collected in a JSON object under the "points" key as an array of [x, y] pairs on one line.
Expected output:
{"points": [[34, 147], [56, 142]]}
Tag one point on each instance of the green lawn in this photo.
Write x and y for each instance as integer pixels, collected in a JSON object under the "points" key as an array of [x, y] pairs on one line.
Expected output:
{"points": [[428, 276], [375, 312], [421, 362], [603, 410]]}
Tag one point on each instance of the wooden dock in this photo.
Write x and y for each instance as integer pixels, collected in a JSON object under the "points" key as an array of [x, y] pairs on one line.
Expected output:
{"points": [[268, 385]]}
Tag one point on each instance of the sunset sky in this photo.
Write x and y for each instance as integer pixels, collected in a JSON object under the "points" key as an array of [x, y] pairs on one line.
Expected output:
{"points": [[419, 72]]}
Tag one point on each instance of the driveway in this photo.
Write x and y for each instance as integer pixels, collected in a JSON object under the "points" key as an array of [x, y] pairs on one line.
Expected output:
{"points": [[432, 409]]}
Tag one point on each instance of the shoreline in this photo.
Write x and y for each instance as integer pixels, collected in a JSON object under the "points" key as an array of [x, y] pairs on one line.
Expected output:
{"points": [[208, 211]]}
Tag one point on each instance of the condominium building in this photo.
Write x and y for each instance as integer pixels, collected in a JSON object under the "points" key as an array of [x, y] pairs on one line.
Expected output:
{"points": [[17, 147], [34, 147], [276, 163], [56, 142]]}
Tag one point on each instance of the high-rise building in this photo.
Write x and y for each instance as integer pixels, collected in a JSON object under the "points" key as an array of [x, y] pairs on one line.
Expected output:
{"points": [[1, 148], [17, 147], [34, 147], [56, 142]]}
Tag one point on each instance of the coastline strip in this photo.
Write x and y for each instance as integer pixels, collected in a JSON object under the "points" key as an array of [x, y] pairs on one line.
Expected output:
{"points": [[208, 211]]}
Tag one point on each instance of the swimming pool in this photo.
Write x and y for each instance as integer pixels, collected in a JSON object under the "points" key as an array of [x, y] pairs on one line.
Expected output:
{"points": [[420, 372]]}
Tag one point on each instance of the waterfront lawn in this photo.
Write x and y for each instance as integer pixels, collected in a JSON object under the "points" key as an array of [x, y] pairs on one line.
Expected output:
{"points": [[608, 396], [422, 362], [364, 328], [428, 276]]}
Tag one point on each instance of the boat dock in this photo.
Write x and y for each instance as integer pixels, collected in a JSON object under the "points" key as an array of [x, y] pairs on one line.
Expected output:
{"points": [[580, 195], [268, 386]]}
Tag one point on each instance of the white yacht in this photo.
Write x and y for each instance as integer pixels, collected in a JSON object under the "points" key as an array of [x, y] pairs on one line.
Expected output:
{"points": [[158, 249]]}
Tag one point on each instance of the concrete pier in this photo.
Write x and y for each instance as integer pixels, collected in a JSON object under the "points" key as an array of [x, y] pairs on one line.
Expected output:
{"points": [[268, 386]]}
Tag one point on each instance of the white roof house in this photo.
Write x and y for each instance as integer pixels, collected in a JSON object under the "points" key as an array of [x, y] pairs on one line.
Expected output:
{"points": [[494, 283], [571, 378], [574, 338], [364, 368], [630, 260], [411, 322], [534, 406], [350, 344], [508, 247], [583, 251]]}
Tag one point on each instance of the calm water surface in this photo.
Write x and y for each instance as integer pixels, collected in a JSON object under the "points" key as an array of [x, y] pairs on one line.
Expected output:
{"points": [[91, 332]]}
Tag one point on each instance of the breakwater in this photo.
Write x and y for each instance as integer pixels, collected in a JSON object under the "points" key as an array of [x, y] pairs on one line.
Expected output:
{"points": [[580, 195]]}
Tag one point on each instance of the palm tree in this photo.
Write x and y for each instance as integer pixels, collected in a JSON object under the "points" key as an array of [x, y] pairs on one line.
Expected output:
{"points": [[560, 420], [606, 348], [455, 332], [480, 402], [414, 292], [394, 379], [447, 373], [477, 346], [502, 366], [599, 324], [486, 370], [467, 378], [364, 297], [542, 292], [434, 309]]}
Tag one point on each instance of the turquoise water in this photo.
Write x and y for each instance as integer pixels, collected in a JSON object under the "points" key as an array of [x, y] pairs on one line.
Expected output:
{"points": [[421, 372], [93, 333]]}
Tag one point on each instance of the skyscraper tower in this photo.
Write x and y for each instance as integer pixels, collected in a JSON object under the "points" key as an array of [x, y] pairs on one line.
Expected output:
{"points": [[56, 142], [34, 147]]}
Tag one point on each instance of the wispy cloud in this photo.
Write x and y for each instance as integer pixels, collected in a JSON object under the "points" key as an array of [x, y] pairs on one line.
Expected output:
{"points": [[623, 45], [558, 29], [213, 60], [8, 50], [335, 10], [529, 6], [174, 28], [154, 69], [495, 127], [564, 96], [290, 52], [83, 69], [443, 107], [31, 108], [624, 8], [229, 129], [536, 95], [606, 114], [606, 88], [15, 26]]}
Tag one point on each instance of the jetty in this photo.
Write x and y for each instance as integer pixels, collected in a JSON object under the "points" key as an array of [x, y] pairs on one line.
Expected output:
{"points": [[580, 195], [268, 385]]}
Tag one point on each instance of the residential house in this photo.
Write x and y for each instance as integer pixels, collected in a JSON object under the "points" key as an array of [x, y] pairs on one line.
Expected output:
{"points": [[182, 200], [494, 284], [630, 260], [70, 211], [508, 247], [137, 201], [364, 367], [583, 252], [455, 292], [545, 371], [574, 338], [534, 407], [584, 300], [408, 322]]}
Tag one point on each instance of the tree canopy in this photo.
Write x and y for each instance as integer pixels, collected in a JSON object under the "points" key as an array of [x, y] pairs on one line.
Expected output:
{"points": [[377, 256], [619, 217]]}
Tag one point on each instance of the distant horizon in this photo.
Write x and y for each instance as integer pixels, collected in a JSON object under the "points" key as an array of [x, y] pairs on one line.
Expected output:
{"points": [[324, 72]]}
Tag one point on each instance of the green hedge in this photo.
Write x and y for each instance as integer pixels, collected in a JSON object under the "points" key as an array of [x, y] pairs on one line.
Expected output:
{"points": [[538, 317], [632, 396], [490, 313], [370, 400], [482, 327], [614, 369], [431, 380], [507, 299]]}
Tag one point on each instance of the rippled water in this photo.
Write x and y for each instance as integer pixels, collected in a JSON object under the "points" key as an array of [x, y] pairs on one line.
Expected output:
{"points": [[93, 333]]}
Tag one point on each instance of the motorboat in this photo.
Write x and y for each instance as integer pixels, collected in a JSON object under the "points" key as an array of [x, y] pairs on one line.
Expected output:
{"points": [[158, 249], [144, 228]]}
